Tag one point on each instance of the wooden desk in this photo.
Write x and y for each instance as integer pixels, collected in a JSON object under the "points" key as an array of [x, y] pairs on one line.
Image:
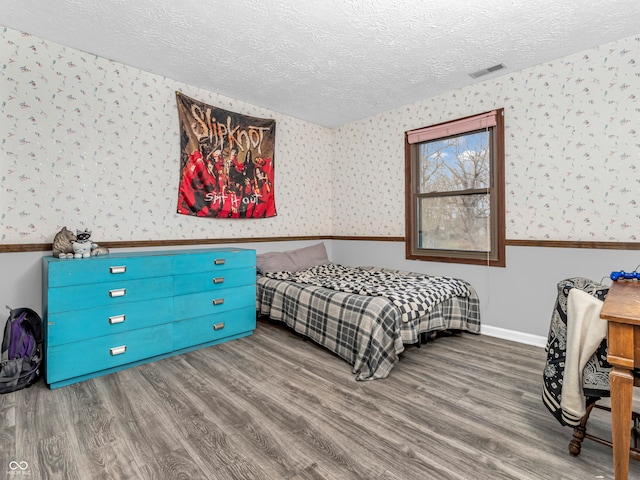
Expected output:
{"points": [[622, 310]]}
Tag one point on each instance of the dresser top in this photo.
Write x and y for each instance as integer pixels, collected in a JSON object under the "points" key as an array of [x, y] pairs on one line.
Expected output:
{"points": [[152, 253]]}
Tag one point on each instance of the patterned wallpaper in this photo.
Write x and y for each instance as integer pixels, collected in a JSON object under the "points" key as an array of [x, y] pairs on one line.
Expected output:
{"points": [[87, 142], [90, 143], [572, 150]]}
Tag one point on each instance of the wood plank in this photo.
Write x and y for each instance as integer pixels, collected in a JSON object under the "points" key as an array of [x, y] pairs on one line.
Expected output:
{"points": [[273, 406]]}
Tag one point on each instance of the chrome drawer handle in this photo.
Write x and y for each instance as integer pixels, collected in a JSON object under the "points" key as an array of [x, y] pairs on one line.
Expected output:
{"points": [[218, 301], [218, 280], [116, 319], [118, 350], [219, 261], [120, 292], [119, 269], [218, 326]]}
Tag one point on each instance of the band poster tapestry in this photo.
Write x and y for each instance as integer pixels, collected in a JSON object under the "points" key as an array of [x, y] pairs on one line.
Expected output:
{"points": [[226, 162]]}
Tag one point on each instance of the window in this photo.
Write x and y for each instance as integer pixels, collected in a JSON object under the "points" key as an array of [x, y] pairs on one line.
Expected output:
{"points": [[454, 182]]}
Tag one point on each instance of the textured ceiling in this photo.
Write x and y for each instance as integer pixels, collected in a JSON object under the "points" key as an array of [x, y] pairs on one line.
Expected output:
{"points": [[326, 61]]}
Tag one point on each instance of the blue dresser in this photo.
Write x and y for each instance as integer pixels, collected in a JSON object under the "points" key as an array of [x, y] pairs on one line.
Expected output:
{"points": [[106, 313]]}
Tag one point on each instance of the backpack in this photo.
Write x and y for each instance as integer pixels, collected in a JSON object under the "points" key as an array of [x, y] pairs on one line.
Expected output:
{"points": [[21, 353]]}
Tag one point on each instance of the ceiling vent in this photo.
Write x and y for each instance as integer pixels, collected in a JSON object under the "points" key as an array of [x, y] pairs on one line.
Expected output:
{"points": [[487, 71]]}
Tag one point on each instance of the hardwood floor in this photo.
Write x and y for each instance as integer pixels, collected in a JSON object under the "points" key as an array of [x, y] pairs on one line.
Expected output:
{"points": [[273, 406]]}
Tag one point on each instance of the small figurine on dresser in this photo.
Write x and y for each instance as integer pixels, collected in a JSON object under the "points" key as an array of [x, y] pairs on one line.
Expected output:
{"points": [[66, 244], [82, 246], [62, 247]]}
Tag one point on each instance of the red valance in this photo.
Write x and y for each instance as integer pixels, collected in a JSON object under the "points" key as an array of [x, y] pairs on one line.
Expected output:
{"points": [[468, 124]]}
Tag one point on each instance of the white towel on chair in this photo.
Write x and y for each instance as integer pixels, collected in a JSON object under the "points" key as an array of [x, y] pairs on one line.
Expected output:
{"points": [[585, 331]]}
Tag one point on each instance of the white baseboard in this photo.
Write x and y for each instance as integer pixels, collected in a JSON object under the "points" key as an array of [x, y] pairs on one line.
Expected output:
{"points": [[529, 339]]}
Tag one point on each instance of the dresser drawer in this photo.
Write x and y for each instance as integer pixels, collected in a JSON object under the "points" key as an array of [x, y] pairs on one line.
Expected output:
{"points": [[215, 261], [77, 325], [64, 299], [107, 268], [211, 281], [80, 358], [206, 303], [195, 331]]}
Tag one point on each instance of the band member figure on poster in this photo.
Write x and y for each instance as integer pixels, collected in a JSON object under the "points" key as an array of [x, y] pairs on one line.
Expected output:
{"points": [[196, 186], [264, 188], [227, 163]]}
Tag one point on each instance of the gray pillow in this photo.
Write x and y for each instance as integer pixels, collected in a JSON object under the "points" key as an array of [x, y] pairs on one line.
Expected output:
{"points": [[292, 260], [274, 262], [308, 257]]}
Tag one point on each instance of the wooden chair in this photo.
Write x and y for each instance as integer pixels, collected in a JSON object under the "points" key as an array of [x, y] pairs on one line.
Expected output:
{"points": [[580, 432]]}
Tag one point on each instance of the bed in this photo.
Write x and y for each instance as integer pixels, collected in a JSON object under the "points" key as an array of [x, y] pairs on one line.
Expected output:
{"points": [[366, 315]]}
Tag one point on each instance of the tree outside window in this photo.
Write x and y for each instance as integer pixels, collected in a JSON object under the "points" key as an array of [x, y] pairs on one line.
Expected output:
{"points": [[455, 191]]}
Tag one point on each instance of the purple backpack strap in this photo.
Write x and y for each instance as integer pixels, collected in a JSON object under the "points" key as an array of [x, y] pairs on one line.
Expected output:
{"points": [[20, 344]]}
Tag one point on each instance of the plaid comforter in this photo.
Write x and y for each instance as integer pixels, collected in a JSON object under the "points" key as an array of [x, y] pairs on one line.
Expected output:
{"points": [[367, 331], [414, 295]]}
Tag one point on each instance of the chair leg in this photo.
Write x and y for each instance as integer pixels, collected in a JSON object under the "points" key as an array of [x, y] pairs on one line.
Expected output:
{"points": [[575, 445]]}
